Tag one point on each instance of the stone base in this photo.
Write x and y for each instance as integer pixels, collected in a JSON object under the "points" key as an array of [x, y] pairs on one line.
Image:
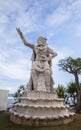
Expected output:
{"points": [[41, 109], [41, 122]]}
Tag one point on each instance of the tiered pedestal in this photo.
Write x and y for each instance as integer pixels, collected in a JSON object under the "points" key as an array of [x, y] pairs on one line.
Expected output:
{"points": [[41, 109]]}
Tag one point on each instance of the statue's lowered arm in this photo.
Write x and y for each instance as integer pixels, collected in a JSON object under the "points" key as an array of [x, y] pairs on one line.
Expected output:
{"points": [[52, 54], [23, 39]]}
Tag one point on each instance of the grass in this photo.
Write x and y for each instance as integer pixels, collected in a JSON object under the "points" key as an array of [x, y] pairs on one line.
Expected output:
{"points": [[6, 124]]}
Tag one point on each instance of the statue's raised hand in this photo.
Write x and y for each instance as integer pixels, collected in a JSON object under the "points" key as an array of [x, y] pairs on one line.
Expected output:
{"points": [[23, 39], [19, 32]]}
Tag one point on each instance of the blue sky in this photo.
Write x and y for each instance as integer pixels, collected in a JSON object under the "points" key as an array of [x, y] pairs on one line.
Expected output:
{"points": [[58, 20]]}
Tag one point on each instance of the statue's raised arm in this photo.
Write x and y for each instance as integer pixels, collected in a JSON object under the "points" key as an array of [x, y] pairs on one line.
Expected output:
{"points": [[24, 40]]}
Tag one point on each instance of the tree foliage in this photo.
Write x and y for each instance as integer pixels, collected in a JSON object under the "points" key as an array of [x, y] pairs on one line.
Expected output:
{"points": [[71, 88], [61, 91], [73, 66], [72, 91], [19, 92]]}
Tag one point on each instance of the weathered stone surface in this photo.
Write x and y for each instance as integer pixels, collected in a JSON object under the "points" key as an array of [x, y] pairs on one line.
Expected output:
{"points": [[40, 105], [41, 72], [44, 110], [54, 121]]}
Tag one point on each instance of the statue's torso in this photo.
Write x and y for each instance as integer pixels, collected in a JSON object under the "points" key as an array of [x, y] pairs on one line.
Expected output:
{"points": [[41, 54], [40, 62]]}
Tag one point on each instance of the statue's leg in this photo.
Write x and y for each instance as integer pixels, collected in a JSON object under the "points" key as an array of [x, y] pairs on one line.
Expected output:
{"points": [[47, 79], [35, 79]]}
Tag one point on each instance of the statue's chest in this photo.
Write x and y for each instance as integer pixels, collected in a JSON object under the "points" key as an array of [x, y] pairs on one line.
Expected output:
{"points": [[41, 52]]}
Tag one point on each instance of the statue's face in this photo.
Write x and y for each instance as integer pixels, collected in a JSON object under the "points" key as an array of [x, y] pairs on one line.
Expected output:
{"points": [[41, 45]]}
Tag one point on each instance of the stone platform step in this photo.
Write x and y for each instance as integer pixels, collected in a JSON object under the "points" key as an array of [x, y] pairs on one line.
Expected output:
{"points": [[44, 102], [39, 95], [43, 117], [41, 121], [41, 105], [40, 110]]}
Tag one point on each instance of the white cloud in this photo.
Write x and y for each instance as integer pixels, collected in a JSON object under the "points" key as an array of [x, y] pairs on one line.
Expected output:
{"points": [[59, 76], [14, 71], [14, 64], [62, 54], [75, 7], [57, 17]]}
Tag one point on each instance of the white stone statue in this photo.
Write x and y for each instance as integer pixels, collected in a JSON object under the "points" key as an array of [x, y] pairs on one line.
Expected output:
{"points": [[41, 73]]}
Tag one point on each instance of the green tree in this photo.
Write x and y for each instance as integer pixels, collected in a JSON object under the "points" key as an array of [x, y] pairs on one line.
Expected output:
{"points": [[19, 92], [61, 91], [73, 66], [71, 90]]}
